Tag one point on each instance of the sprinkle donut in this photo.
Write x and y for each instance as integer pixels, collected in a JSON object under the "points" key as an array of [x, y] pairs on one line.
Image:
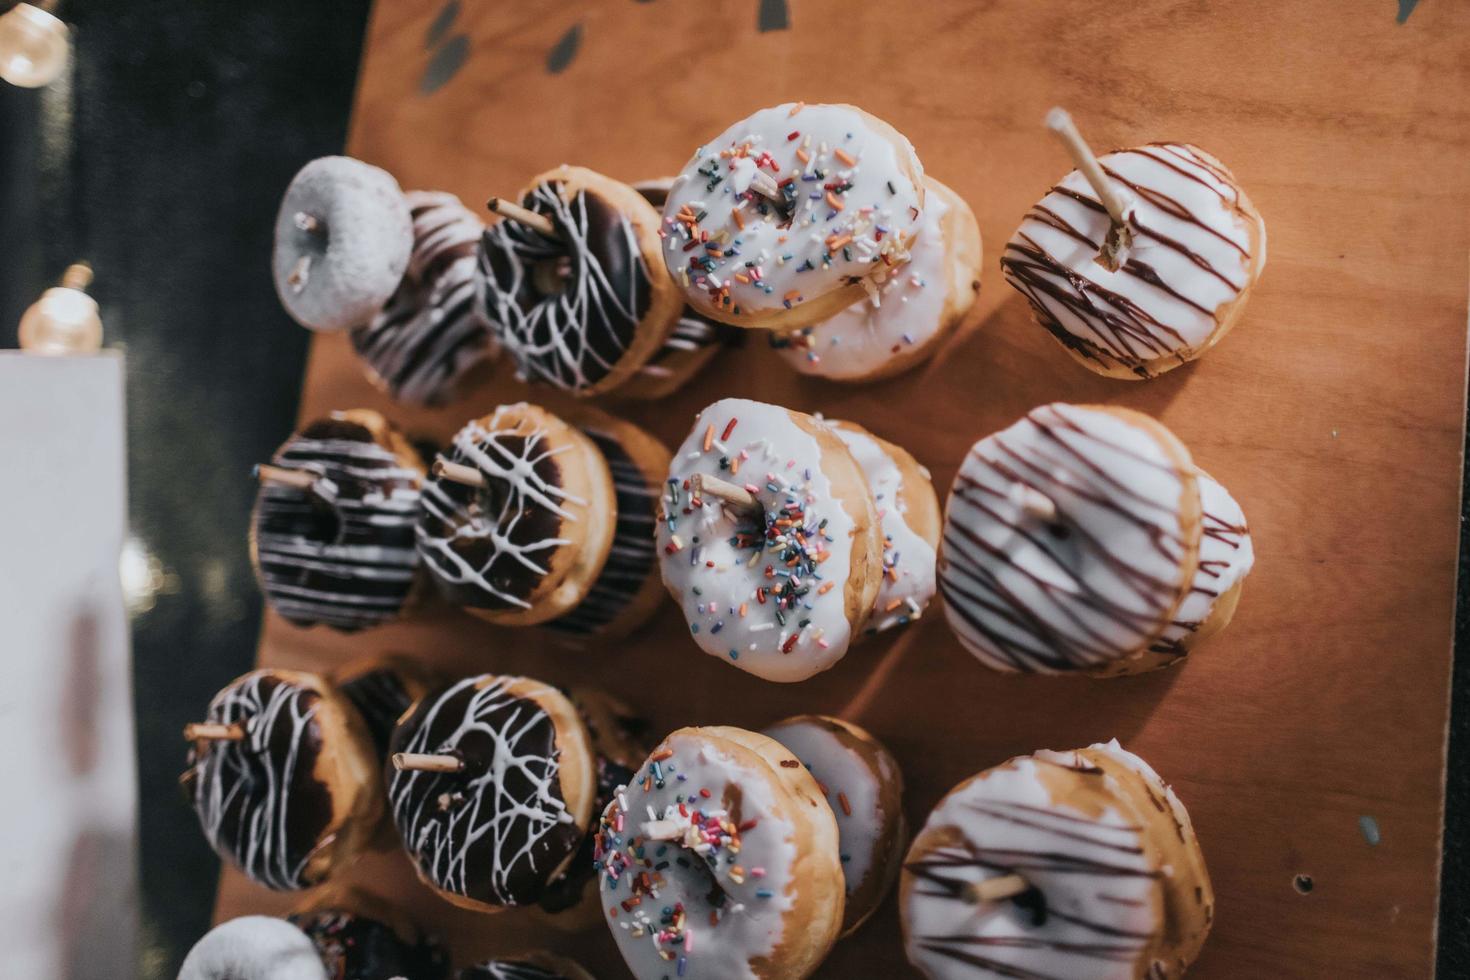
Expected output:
{"points": [[780, 586], [1198, 247], [533, 966], [908, 512], [864, 787], [792, 215], [1057, 864], [286, 786], [1070, 539], [910, 314], [720, 861], [516, 801], [422, 345], [339, 551], [358, 937], [253, 947], [584, 307]]}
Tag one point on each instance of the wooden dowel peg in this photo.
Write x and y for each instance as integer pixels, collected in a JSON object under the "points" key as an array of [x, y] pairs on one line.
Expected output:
{"points": [[514, 212], [703, 485], [995, 889], [214, 732], [1033, 502], [308, 223], [301, 479], [663, 830], [1059, 121], [425, 762], [765, 185], [458, 473]]}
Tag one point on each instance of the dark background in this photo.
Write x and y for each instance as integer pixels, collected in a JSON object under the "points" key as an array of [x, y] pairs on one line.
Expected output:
{"points": [[162, 161]]}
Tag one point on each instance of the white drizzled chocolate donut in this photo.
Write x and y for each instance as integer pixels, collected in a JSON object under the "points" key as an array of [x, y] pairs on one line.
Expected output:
{"points": [[720, 861], [493, 832], [1198, 246], [778, 588], [864, 786], [532, 966], [294, 793], [910, 314], [1070, 539], [254, 947], [341, 551], [343, 236], [586, 307], [382, 689], [908, 513], [792, 214], [1059, 864], [422, 344], [358, 937]]}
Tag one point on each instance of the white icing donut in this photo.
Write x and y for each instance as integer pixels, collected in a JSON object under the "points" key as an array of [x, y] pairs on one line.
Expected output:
{"points": [[743, 599], [253, 947], [1225, 558], [852, 195], [908, 558], [1198, 246], [1103, 578]]}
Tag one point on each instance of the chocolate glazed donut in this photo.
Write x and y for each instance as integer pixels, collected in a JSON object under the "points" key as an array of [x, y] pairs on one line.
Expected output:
{"points": [[567, 307]]}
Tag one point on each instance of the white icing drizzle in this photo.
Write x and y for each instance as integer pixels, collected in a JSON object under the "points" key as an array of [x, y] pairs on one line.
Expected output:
{"points": [[904, 314], [507, 567], [743, 602], [1190, 256], [850, 209], [509, 970], [908, 559], [752, 884], [1095, 906], [507, 811], [1026, 595], [1225, 557]]}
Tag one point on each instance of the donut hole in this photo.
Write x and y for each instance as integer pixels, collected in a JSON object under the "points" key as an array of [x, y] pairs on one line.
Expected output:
{"points": [[1031, 903], [702, 877], [550, 276]]}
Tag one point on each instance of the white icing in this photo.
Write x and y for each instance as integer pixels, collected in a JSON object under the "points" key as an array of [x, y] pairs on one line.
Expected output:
{"points": [[253, 947], [906, 313], [1025, 595], [756, 880], [697, 549], [1102, 897], [791, 263], [1225, 557], [908, 559], [1188, 231]]}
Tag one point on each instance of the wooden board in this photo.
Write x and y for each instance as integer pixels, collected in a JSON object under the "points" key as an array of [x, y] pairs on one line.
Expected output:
{"points": [[1335, 412]]}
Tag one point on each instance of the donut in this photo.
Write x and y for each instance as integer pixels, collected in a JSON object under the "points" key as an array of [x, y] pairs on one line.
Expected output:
{"points": [[420, 347], [911, 313], [283, 778], [1070, 539], [780, 588], [358, 937], [908, 513], [512, 812], [1198, 246], [339, 550], [382, 689], [864, 787], [343, 237], [253, 947], [792, 215], [533, 966], [1090, 868], [720, 860], [584, 308], [558, 530]]}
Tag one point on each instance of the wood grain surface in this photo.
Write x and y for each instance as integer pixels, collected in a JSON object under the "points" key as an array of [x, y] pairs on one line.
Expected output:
{"points": [[1334, 412]]}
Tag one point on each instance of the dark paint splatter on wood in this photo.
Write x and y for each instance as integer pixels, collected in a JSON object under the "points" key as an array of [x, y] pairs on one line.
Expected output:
{"points": [[773, 16], [445, 63], [565, 50], [442, 24], [1406, 7]]}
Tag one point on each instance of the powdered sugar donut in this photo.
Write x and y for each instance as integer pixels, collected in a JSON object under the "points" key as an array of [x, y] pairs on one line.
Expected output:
{"points": [[431, 334], [864, 786], [343, 235], [779, 586], [253, 947], [910, 314], [1198, 246], [908, 512], [1057, 864], [720, 861], [792, 214], [1070, 539]]}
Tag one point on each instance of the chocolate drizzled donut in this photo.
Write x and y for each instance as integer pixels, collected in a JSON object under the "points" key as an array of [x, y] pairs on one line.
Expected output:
{"points": [[356, 947], [341, 553], [431, 332], [498, 829]]}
